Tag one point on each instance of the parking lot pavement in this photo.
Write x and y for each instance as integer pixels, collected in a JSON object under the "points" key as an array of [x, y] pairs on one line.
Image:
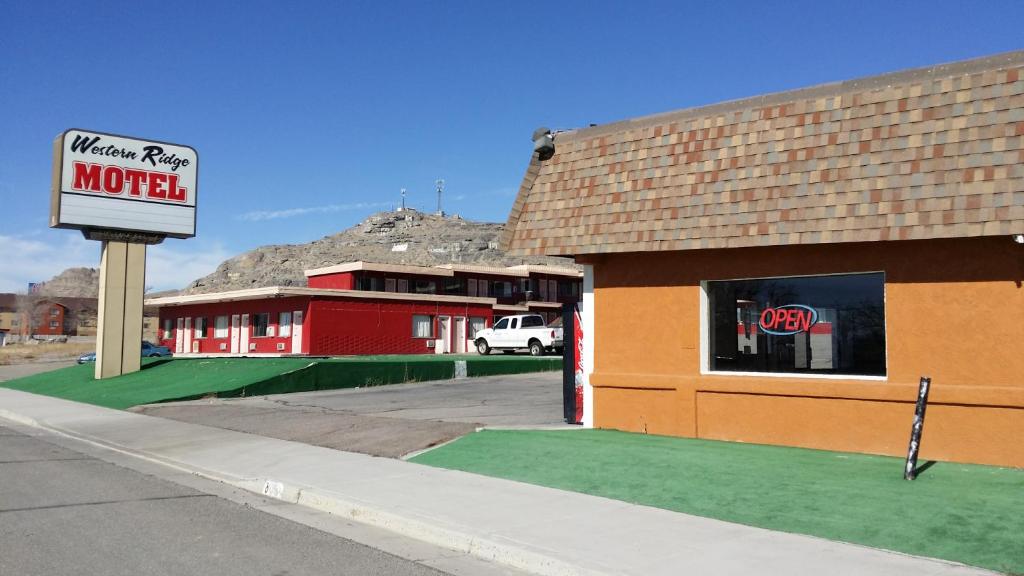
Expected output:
{"points": [[12, 371], [388, 421]]}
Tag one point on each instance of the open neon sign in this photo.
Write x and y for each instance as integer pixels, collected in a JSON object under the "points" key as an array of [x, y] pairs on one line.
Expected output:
{"points": [[788, 319]]}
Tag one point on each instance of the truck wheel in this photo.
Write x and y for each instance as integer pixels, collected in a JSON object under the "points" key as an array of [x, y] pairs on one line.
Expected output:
{"points": [[536, 348], [482, 348]]}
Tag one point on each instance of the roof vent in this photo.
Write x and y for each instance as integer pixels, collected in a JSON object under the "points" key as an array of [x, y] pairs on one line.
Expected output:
{"points": [[543, 143]]}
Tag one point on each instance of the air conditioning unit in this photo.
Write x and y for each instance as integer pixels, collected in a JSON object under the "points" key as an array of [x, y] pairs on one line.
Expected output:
{"points": [[195, 347], [223, 346], [430, 343], [252, 346], [280, 346]]}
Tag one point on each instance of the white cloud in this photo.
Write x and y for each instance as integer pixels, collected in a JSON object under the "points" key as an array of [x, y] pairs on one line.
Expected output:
{"points": [[258, 215], [28, 259], [174, 264]]}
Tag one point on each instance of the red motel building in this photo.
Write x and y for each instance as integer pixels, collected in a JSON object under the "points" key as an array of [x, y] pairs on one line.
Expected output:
{"points": [[364, 308]]}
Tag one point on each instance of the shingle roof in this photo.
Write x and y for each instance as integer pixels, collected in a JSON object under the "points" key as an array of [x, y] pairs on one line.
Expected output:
{"points": [[927, 153]]}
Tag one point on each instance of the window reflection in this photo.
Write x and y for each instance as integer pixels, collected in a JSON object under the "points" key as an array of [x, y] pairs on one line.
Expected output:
{"points": [[816, 324]]}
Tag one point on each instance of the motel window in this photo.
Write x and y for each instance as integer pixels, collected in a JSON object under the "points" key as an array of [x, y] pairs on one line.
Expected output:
{"points": [[389, 284], [200, 327], [422, 326], [260, 322], [371, 284], [167, 328], [475, 325], [220, 327], [483, 289], [454, 286], [426, 287], [403, 286], [284, 324], [500, 288], [810, 324], [472, 286]]}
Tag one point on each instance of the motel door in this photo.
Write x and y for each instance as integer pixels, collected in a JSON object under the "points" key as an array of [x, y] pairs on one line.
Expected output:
{"points": [[297, 332], [460, 335], [234, 334], [179, 334], [187, 344], [245, 334], [444, 336]]}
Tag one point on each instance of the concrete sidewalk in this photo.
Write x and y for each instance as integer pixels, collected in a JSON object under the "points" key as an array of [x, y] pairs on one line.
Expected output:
{"points": [[541, 530]]}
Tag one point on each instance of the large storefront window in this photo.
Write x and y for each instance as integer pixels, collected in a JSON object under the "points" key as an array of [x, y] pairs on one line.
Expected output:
{"points": [[809, 324]]}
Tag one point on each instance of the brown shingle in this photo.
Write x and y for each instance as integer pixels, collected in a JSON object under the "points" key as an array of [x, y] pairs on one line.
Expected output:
{"points": [[925, 153]]}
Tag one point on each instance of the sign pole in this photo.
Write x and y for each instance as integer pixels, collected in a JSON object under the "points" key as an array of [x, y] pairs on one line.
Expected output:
{"points": [[119, 335]]}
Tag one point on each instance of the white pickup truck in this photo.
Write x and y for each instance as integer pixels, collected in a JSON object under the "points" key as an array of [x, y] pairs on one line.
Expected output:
{"points": [[513, 333]]}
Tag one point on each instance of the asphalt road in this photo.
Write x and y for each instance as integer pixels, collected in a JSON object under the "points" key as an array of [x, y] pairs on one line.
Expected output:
{"points": [[389, 421], [63, 511]]}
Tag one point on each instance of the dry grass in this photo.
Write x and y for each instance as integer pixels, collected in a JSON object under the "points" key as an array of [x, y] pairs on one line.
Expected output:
{"points": [[26, 353]]}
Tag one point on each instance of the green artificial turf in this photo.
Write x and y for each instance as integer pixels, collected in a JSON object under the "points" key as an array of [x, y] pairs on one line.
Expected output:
{"points": [[163, 380], [965, 513]]}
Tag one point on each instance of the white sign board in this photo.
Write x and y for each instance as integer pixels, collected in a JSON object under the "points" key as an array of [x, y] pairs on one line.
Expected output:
{"points": [[109, 182]]}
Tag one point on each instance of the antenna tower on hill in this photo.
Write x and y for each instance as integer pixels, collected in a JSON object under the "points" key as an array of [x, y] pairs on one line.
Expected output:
{"points": [[440, 189]]}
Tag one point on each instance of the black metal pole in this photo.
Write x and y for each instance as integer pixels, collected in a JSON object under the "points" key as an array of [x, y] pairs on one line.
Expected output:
{"points": [[910, 471], [569, 363]]}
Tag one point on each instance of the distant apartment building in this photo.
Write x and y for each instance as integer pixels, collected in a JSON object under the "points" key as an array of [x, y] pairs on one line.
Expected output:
{"points": [[365, 308]]}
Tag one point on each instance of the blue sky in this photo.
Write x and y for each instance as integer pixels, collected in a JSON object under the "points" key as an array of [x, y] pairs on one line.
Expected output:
{"points": [[310, 116]]}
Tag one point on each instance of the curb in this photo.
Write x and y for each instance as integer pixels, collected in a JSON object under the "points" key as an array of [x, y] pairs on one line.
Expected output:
{"points": [[482, 547]]}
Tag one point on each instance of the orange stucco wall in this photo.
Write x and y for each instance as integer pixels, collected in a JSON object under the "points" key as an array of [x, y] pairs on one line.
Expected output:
{"points": [[954, 311]]}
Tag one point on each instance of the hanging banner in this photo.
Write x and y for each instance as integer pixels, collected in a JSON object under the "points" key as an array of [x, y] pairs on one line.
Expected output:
{"points": [[580, 374]]}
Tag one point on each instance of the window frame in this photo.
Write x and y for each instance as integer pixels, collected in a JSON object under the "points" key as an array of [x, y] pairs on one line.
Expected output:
{"points": [[227, 327], [469, 326], [196, 333], [430, 322], [283, 327], [705, 332], [253, 324]]}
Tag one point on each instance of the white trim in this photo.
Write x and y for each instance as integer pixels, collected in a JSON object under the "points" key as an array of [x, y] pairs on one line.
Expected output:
{"points": [[587, 316], [286, 291], [882, 272], [521, 270], [705, 344], [798, 375], [540, 304], [374, 267]]}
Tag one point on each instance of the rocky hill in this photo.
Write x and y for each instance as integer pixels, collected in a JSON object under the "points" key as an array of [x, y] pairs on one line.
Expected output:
{"points": [[401, 237], [73, 283]]}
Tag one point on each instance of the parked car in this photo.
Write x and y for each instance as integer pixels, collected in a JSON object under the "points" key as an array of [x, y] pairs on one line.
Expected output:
{"points": [[513, 333], [149, 350]]}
